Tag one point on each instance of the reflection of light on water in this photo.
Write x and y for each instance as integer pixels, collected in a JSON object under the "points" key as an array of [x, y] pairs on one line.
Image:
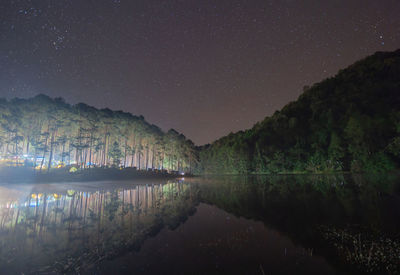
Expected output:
{"points": [[53, 221], [10, 198], [37, 199]]}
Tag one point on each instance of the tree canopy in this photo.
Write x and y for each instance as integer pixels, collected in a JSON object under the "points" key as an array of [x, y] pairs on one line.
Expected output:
{"points": [[348, 122]]}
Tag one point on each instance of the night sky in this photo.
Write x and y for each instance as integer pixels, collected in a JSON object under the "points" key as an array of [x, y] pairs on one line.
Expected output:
{"points": [[204, 68]]}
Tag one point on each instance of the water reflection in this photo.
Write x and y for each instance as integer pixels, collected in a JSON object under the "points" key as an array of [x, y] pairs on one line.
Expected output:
{"points": [[350, 222], [216, 242], [71, 230]]}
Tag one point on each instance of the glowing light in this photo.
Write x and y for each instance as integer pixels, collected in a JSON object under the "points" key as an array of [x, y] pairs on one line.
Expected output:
{"points": [[73, 170]]}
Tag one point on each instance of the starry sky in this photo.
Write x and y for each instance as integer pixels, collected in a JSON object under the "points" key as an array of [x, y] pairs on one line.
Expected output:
{"points": [[205, 68]]}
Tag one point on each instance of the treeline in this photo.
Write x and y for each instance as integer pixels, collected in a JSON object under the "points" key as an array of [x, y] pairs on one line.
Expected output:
{"points": [[45, 132], [347, 122]]}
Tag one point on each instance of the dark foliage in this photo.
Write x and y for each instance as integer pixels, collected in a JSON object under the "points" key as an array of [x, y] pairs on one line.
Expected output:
{"points": [[347, 122]]}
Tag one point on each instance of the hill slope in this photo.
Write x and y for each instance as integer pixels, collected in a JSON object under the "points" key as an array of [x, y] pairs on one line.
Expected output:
{"points": [[348, 122]]}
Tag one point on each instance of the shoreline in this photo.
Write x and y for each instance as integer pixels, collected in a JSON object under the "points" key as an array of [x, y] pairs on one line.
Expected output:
{"points": [[16, 175]]}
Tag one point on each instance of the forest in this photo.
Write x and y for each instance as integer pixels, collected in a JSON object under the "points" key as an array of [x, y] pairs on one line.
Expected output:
{"points": [[349, 122], [46, 133]]}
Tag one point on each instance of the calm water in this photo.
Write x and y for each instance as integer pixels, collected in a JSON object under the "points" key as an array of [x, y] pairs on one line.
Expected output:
{"points": [[227, 225]]}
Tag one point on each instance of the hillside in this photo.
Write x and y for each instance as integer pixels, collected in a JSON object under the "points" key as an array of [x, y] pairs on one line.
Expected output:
{"points": [[348, 122]]}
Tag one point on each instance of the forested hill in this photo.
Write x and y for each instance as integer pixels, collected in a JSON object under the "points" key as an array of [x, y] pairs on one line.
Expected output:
{"points": [[348, 122], [45, 133]]}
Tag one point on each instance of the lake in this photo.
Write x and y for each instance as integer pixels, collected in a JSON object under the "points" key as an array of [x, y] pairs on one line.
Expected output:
{"points": [[336, 224]]}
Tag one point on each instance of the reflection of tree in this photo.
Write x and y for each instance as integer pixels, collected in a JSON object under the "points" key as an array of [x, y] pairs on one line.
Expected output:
{"points": [[300, 206], [73, 231]]}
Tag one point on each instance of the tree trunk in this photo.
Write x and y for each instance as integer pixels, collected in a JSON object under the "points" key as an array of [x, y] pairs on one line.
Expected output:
{"points": [[16, 146], [126, 144], [147, 157], [44, 151], [90, 149], [104, 151], [27, 145], [63, 151], [51, 151], [152, 158]]}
